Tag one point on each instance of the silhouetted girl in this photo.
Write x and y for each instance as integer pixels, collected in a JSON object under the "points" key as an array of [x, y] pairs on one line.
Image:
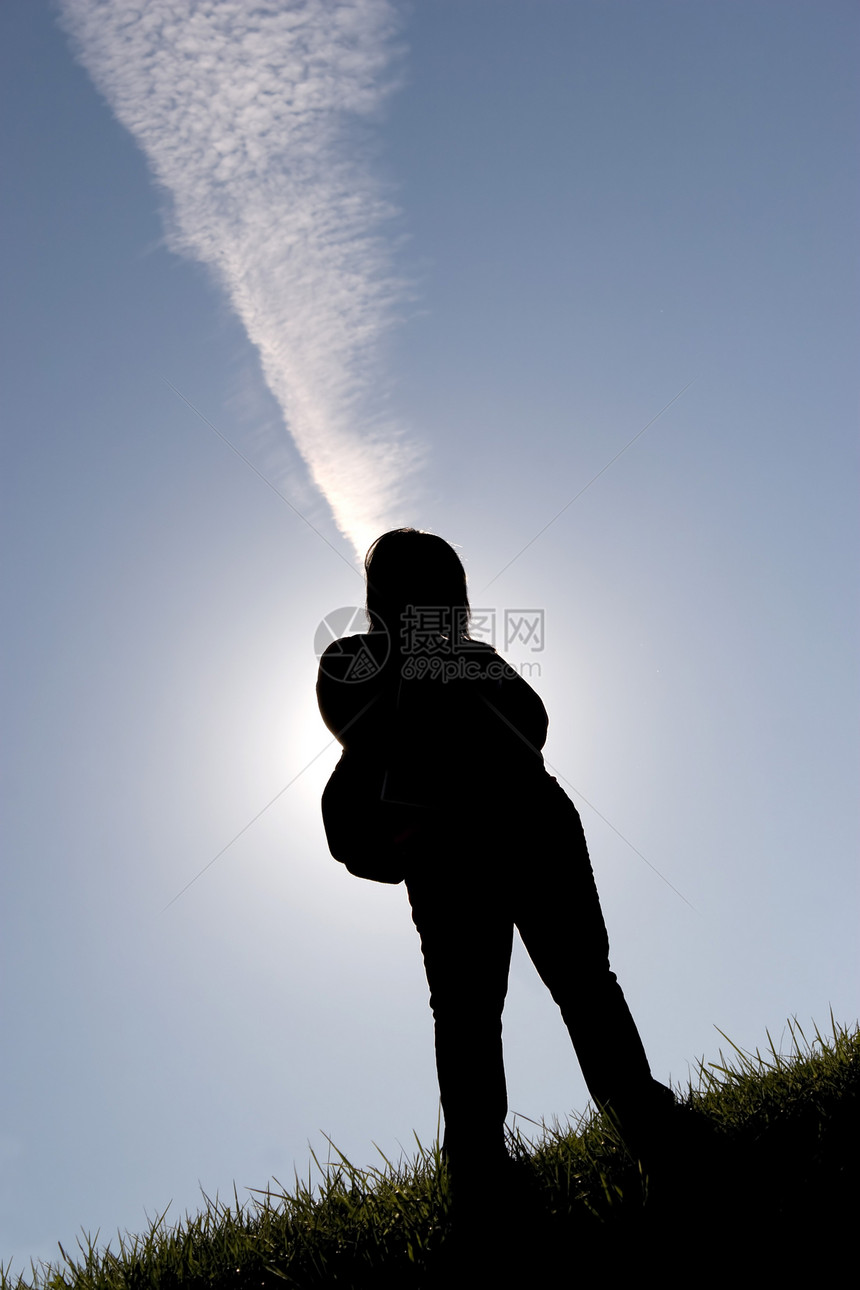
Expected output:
{"points": [[442, 782]]}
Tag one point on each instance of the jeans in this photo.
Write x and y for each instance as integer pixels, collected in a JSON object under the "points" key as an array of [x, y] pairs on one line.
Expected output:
{"points": [[534, 875]]}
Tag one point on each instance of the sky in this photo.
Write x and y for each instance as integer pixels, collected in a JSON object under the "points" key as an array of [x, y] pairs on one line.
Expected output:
{"points": [[275, 279]]}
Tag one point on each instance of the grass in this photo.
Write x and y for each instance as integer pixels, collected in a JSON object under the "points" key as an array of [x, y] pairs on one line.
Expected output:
{"points": [[760, 1179]]}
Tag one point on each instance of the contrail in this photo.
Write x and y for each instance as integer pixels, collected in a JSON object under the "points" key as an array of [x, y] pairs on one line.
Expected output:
{"points": [[250, 118]]}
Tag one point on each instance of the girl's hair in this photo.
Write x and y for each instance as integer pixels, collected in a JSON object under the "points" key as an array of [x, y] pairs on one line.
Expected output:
{"points": [[408, 568]]}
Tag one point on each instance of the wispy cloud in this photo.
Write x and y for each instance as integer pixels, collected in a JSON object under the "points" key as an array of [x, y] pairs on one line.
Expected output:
{"points": [[248, 115]]}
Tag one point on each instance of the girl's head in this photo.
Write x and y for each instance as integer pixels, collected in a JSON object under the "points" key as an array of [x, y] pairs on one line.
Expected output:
{"points": [[409, 568]]}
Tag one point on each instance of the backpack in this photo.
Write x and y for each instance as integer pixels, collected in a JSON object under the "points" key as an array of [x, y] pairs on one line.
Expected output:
{"points": [[372, 837]]}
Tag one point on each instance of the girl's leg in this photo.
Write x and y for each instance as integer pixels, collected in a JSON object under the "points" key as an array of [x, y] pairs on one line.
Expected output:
{"points": [[560, 920], [466, 939]]}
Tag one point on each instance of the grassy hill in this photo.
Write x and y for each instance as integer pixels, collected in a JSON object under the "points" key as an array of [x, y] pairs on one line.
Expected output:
{"points": [[758, 1178]]}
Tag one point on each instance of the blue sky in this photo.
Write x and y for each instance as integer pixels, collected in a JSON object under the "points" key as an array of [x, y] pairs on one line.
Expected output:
{"points": [[431, 264]]}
